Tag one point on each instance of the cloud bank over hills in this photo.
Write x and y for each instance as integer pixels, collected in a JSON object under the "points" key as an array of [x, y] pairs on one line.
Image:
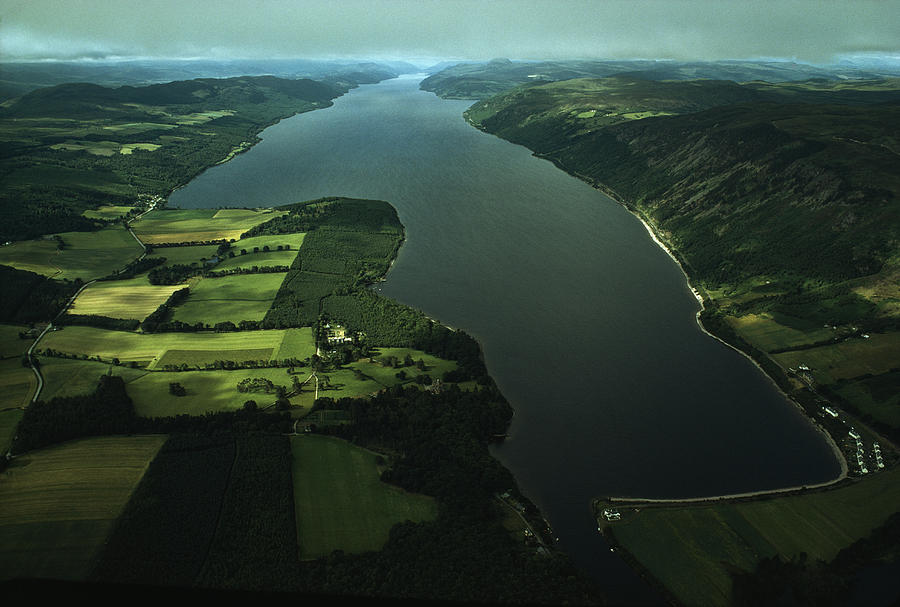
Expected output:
{"points": [[802, 30]]}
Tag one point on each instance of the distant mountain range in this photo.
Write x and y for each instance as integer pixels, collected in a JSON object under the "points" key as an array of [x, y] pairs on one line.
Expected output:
{"points": [[481, 80]]}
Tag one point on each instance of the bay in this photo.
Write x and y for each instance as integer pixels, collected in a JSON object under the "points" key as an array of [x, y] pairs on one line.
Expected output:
{"points": [[587, 326]]}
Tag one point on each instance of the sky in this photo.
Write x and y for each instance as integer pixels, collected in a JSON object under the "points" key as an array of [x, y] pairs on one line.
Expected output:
{"points": [[814, 31]]}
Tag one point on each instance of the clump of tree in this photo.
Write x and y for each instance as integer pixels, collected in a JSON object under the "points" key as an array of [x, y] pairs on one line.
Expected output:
{"points": [[258, 384], [174, 274], [157, 318], [136, 267], [97, 320], [29, 297], [108, 410]]}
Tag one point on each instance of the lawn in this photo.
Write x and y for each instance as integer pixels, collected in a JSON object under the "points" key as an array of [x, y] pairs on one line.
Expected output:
{"points": [[194, 225], [129, 298], [340, 502], [690, 548], [230, 298], [59, 504]]}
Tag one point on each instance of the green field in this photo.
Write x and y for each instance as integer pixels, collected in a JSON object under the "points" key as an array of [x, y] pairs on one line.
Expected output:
{"points": [[878, 396], [340, 502], [11, 346], [847, 359], [294, 241], [58, 505], [262, 260], [230, 298], [184, 255], [89, 255], [365, 376], [67, 377], [9, 419], [148, 349], [38, 256], [691, 548], [199, 224], [149, 390], [296, 343], [206, 391], [86, 255], [128, 298], [17, 384], [765, 333]]}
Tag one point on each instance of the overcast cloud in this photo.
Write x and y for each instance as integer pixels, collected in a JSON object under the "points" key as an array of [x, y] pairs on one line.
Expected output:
{"points": [[806, 30]]}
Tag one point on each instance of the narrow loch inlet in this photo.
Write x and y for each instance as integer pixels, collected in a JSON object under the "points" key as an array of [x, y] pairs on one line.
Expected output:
{"points": [[587, 326]]}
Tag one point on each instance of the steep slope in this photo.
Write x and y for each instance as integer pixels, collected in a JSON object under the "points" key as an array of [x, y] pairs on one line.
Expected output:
{"points": [[780, 200]]}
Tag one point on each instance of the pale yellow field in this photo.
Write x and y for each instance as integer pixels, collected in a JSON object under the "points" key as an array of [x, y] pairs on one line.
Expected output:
{"points": [[199, 224], [122, 298], [197, 236], [104, 148], [58, 505], [150, 348]]}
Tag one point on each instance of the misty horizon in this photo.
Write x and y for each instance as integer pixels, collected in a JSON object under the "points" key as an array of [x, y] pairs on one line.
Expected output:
{"points": [[801, 31]]}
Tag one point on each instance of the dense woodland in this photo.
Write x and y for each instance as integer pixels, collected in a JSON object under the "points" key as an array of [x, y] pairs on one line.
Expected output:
{"points": [[29, 297], [746, 180], [215, 508]]}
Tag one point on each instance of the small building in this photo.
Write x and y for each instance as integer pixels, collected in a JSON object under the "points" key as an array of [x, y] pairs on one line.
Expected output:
{"points": [[611, 514], [830, 411], [854, 433]]}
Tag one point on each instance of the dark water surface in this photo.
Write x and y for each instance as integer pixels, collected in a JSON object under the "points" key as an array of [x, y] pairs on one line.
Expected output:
{"points": [[587, 326]]}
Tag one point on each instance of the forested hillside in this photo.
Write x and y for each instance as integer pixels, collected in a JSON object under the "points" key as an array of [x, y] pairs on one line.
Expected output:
{"points": [[779, 199], [76, 146]]}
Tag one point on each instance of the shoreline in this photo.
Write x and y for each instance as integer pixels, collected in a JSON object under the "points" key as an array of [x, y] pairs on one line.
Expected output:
{"points": [[839, 456], [728, 497], [657, 238]]}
